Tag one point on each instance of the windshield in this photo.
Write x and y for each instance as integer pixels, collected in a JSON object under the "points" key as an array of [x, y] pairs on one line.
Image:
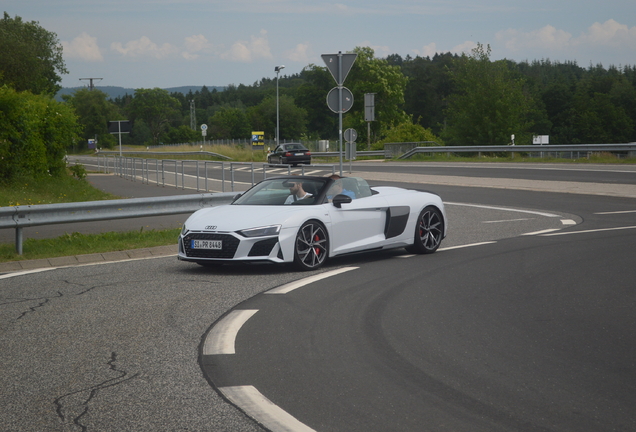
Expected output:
{"points": [[284, 191]]}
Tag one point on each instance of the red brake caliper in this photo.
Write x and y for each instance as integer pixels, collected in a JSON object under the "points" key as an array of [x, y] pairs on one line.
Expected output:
{"points": [[316, 250]]}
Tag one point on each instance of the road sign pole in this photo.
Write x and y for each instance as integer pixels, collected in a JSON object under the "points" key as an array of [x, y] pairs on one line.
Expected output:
{"points": [[340, 105]]}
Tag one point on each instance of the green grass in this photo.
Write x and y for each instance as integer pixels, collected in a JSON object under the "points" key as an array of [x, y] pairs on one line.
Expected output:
{"points": [[80, 244], [48, 190]]}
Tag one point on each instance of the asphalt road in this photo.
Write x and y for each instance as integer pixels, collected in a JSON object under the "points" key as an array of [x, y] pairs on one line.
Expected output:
{"points": [[530, 332]]}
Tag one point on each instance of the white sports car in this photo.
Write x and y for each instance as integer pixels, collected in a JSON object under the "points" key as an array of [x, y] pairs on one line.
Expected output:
{"points": [[304, 220]]}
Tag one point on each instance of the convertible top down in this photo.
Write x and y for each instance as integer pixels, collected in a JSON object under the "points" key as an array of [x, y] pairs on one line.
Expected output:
{"points": [[304, 220]]}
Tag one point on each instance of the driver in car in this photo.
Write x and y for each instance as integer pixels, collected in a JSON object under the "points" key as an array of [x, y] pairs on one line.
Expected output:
{"points": [[296, 192], [337, 189]]}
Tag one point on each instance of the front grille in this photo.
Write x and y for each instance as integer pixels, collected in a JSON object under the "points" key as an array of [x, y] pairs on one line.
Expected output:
{"points": [[230, 244], [263, 247]]}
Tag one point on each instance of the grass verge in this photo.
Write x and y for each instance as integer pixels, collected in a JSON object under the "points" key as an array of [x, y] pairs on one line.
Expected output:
{"points": [[81, 244], [49, 190]]}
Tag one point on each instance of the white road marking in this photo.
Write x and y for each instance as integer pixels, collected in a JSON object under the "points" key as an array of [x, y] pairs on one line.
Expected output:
{"points": [[466, 245], [264, 411], [616, 212], [406, 256], [25, 272], [568, 222], [220, 340], [507, 220], [503, 208], [284, 289], [591, 231], [541, 232]]}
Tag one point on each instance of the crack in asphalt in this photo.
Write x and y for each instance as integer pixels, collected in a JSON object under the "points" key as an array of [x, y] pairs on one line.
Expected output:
{"points": [[43, 301], [77, 410]]}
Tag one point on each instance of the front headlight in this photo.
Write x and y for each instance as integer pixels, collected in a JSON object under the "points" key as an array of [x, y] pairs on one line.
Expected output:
{"points": [[184, 230], [261, 231]]}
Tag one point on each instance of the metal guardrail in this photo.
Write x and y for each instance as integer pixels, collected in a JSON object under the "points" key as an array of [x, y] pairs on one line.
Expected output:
{"points": [[145, 152], [19, 217], [550, 148]]}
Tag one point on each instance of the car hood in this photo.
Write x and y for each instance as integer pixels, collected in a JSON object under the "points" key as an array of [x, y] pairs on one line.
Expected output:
{"points": [[238, 217]]}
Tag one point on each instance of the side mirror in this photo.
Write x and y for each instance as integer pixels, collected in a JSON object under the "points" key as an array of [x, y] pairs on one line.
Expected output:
{"points": [[237, 196], [341, 199]]}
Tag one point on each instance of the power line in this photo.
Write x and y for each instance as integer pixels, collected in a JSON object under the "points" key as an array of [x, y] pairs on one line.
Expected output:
{"points": [[90, 85]]}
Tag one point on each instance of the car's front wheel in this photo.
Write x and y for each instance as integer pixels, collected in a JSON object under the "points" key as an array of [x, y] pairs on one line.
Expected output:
{"points": [[312, 244], [429, 231]]}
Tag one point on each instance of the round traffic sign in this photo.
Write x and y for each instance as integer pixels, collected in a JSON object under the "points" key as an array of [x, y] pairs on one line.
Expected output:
{"points": [[350, 135], [204, 127], [333, 99]]}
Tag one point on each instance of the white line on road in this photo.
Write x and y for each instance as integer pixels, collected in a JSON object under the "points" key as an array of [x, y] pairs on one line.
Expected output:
{"points": [[220, 340], [264, 411], [503, 209], [507, 220], [465, 246], [616, 212], [541, 232], [284, 289], [591, 231]]}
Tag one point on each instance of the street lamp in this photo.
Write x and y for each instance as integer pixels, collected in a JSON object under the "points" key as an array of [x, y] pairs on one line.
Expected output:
{"points": [[277, 69]]}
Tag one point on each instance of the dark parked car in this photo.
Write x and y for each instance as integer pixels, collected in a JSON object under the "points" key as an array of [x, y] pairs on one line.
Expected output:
{"points": [[290, 153]]}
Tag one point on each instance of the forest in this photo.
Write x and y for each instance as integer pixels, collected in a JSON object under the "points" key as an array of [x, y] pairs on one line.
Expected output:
{"points": [[448, 98]]}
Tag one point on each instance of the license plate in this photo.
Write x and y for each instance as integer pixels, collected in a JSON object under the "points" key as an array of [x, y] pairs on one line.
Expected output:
{"points": [[206, 244], [300, 154]]}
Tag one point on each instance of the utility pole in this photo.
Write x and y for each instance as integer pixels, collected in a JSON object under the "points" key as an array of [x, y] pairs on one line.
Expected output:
{"points": [[90, 85], [193, 116]]}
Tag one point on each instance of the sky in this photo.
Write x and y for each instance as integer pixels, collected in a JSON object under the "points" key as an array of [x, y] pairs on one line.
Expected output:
{"points": [[171, 43]]}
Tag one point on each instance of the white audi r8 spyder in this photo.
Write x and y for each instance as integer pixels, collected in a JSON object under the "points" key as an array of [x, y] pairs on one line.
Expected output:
{"points": [[305, 220]]}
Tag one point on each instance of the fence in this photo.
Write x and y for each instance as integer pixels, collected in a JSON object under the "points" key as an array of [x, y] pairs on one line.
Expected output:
{"points": [[406, 150], [19, 217], [197, 174]]}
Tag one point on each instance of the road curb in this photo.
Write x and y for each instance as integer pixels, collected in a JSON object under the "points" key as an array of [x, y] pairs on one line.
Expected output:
{"points": [[158, 251]]}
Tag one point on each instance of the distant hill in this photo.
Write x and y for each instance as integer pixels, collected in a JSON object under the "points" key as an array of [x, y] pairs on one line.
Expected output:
{"points": [[115, 92]]}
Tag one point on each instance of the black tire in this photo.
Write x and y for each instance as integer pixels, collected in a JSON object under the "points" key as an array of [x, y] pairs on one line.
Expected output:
{"points": [[311, 246], [429, 231]]}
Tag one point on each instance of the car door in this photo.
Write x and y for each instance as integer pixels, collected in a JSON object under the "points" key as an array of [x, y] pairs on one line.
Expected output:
{"points": [[358, 225]]}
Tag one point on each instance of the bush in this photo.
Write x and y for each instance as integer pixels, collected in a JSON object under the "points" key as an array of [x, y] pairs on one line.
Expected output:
{"points": [[35, 131], [78, 171]]}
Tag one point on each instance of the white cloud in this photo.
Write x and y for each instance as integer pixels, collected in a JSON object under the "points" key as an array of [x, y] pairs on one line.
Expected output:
{"points": [[196, 44], [465, 47], [427, 50], [609, 34], [300, 53], [247, 51], [83, 47], [379, 51], [144, 47]]}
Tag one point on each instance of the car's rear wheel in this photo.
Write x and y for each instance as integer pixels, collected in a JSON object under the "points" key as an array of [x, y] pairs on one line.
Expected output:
{"points": [[429, 231], [311, 247]]}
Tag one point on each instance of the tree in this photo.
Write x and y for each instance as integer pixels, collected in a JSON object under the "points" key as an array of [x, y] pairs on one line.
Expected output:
{"points": [[409, 132], [374, 75], [94, 111], [293, 120], [230, 123], [181, 134], [35, 131], [311, 96], [490, 104], [156, 108], [31, 57]]}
